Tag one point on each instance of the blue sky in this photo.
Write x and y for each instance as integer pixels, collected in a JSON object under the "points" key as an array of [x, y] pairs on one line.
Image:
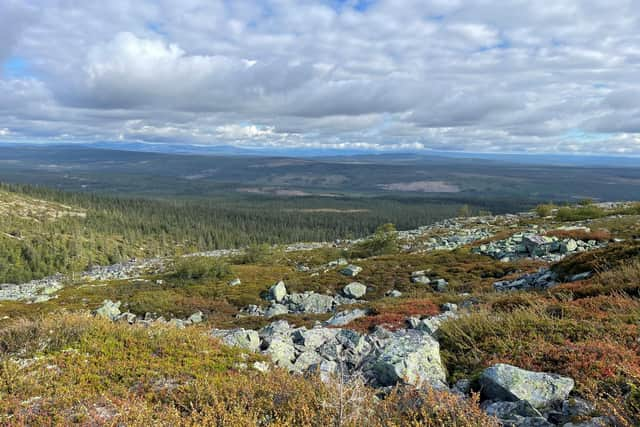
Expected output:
{"points": [[410, 75]]}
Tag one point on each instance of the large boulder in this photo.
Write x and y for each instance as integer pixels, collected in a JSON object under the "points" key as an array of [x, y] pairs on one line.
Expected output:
{"points": [[537, 245], [510, 383], [196, 317], [313, 338], [109, 310], [282, 351], [276, 310], [305, 360], [278, 291], [280, 327], [412, 357], [243, 338], [354, 290], [423, 280], [310, 302]]}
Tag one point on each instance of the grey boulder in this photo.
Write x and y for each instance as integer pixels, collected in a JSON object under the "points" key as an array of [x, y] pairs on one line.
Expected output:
{"points": [[510, 383], [310, 302], [278, 291], [354, 290], [276, 310], [109, 310], [282, 352], [351, 270], [196, 317], [345, 317], [412, 357], [243, 338]]}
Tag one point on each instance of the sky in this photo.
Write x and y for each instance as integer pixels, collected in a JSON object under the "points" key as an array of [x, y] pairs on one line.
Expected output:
{"points": [[513, 76]]}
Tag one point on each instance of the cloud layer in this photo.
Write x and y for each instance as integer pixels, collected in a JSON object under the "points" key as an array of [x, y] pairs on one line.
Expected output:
{"points": [[471, 75]]}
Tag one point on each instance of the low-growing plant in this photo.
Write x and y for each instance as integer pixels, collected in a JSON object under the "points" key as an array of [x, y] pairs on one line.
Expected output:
{"points": [[201, 267], [579, 213], [257, 254], [117, 374], [544, 210], [383, 242]]}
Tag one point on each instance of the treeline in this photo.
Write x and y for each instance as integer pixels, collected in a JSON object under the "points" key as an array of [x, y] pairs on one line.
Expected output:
{"points": [[116, 228]]}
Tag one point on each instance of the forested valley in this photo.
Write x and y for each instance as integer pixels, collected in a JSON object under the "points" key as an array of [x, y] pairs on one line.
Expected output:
{"points": [[110, 229]]}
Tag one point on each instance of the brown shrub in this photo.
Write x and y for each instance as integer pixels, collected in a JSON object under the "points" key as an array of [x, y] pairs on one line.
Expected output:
{"points": [[115, 374], [392, 315]]}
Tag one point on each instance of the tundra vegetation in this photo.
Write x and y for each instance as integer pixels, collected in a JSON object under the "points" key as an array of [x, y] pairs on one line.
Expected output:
{"points": [[61, 365]]}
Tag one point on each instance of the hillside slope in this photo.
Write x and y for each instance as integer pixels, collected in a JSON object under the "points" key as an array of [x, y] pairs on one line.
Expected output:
{"points": [[429, 320]]}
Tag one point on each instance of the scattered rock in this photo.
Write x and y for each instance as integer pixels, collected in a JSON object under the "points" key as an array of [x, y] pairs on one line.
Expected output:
{"points": [[354, 290], [35, 291], [109, 310], [394, 293], [278, 291], [530, 244], [542, 279], [282, 352], [412, 357], [243, 338], [568, 246], [440, 285], [196, 317], [313, 338], [235, 282], [130, 318], [423, 280], [449, 306], [276, 310], [351, 270], [306, 360], [263, 367], [346, 317], [509, 383]]}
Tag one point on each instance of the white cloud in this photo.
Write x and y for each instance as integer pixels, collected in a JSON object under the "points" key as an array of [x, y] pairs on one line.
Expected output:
{"points": [[235, 131], [474, 75]]}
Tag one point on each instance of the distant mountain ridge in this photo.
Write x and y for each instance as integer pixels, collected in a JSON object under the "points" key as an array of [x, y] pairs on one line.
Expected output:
{"points": [[334, 154]]}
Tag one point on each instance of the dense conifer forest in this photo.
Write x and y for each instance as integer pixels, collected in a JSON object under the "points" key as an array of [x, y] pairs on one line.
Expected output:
{"points": [[115, 228]]}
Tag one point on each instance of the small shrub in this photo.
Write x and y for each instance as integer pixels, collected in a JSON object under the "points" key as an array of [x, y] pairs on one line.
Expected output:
{"points": [[199, 267], [383, 242], [393, 315], [544, 210], [580, 213], [257, 254]]}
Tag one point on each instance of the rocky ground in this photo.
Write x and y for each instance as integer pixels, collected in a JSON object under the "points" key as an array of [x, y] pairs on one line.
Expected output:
{"points": [[517, 311]]}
